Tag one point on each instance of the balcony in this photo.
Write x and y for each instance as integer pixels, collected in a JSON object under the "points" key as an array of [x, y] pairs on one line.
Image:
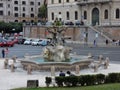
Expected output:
{"points": [[84, 2]]}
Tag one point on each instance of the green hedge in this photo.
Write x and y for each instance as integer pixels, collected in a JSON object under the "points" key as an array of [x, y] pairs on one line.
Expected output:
{"points": [[85, 80], [113, 78], [48, 81]]}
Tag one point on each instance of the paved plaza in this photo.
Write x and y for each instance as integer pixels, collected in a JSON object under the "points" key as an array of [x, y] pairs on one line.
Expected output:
{"points": [[17, 79], [9, 80]]}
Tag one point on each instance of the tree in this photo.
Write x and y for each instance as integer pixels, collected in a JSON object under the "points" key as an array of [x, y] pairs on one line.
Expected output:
{"points": [[8, 27], [43, 12]]}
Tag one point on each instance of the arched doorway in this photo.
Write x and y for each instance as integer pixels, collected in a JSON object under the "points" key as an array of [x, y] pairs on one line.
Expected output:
{"points": [[95, 16]]}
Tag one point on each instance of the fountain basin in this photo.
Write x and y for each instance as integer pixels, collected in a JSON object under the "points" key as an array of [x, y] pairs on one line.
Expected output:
{"points": [[38, 63]]}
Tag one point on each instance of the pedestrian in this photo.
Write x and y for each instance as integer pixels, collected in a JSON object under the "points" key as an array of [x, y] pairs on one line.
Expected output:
{"points": [[62, 73], [119, 42], [106, 42], [3, 53], [70, 74], [6, 52], [94, 42]]}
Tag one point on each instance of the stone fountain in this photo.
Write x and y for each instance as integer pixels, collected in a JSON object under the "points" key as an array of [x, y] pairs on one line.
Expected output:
{"points": [[57, 55], [58, 52]]}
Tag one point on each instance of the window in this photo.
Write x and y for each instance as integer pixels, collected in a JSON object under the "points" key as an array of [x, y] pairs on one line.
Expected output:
{"points": [[23, 20], [117, 13], [23, 3], [23, 15], [39, 3], [85, 14], [32, 21], [32, 15], [31, 3], [1, 4], [8, 13], [23, 8], [32, 9], [67, 15], [1, 12], [15, 2], [16, 8], [106, 14], [16, 20], [59, 1], [52, 16], [16, 14], [76, 15], [67, 0], [59, 12], [8, 5]]}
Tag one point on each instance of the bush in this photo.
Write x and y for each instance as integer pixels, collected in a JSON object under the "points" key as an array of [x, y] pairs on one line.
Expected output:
{"points": [[87, 80], [100, 78], [81, 80], [113, 78], [90, 79], [48, 81], [71, 81], [60, 80]]}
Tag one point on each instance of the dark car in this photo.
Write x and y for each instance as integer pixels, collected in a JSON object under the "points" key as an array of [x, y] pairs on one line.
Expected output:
{"points": [[77, 23], [69, 23], [21, 40]]}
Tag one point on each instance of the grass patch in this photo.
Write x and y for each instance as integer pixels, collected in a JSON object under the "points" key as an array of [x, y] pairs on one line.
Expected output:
{"points": [[115, 86]]}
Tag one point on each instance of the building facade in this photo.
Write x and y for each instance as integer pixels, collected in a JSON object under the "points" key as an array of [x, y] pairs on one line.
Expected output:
{"points": [[92, 12], [20, 10]]}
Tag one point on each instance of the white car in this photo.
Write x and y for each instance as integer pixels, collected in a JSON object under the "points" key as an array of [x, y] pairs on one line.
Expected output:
{"points": [[35, 42], [27, 41], [43, 42]]}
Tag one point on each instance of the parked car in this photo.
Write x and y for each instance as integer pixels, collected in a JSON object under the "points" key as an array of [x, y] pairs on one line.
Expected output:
{"points": [[1, 44], [48, 23], [77, 23], [7, 43], [69, 23], [21, 40], [35, 42], [27, 41], [43, 42], [10, 43]]}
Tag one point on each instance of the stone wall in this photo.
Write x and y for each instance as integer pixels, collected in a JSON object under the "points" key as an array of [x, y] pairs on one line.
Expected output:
{"points": [[73, 32], [113, 31], [41, 32]]}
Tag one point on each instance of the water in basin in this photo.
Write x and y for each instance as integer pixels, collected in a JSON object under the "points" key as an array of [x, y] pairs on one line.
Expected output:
{"points": [[73, 59]]}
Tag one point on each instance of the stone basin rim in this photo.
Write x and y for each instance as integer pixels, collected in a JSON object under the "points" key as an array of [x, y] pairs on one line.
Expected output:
{"points": [[85, 59]]}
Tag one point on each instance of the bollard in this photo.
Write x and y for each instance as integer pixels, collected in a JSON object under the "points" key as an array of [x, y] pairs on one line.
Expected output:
{"points": [[12, 68], [107, 60], [77, 69], [29, 69], [100, 58], [95, 68], [5, 63], [106, 63], [53, 71], [14, 58]]}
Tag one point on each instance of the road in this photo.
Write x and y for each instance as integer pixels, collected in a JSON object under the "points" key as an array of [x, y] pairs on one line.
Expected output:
{"points": [[112, 52]]}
